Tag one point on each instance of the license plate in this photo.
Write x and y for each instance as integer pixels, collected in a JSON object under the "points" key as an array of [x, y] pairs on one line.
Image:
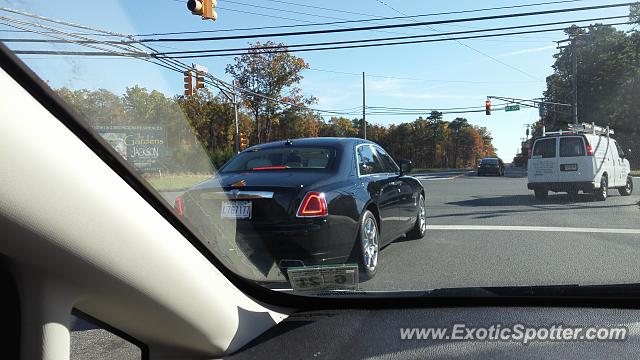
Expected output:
{"points": [[569, 167], [236, 210], [324, 277]]}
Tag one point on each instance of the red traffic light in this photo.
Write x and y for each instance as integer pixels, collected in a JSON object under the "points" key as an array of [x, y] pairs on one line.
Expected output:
{"points": [[487, 107]]}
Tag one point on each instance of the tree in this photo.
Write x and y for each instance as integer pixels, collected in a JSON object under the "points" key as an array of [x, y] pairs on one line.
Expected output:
{"points": [[268, 75], [339, 126], [608, 82]]}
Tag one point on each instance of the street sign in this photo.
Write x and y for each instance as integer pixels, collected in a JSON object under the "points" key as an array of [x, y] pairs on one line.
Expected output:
{"points": [[512, 108]]}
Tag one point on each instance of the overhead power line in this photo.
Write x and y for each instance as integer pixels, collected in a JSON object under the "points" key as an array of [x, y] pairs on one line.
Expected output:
{"points": [[351, 21], [468, 46], [23, 40], [284, 49], [389, 26]]}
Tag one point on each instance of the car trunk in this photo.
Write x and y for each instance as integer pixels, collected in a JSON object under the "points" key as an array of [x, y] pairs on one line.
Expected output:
{"points": [[274, 194]]}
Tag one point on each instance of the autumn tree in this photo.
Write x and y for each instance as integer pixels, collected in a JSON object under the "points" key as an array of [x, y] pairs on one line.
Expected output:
{"points": [[271, 74]]}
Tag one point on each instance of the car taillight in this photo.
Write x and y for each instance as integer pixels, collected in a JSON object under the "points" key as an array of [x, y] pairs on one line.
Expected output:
{"points": [[589, 150], [179, 206], [314, 204]]}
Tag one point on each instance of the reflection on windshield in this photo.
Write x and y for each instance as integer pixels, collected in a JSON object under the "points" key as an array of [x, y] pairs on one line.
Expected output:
{"points": [[448, 147]]}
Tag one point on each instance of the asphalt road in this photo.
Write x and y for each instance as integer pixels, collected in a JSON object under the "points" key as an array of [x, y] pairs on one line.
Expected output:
{"points": [[490, 231], [510, 239]]}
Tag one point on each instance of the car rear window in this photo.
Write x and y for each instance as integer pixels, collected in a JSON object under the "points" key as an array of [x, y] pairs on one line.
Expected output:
{"points": [[545, 148], [489, 161], [572, 146], [282, 158]]}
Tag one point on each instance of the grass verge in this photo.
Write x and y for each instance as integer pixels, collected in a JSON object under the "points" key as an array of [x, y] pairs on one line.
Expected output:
{"points": [[176, 182]]}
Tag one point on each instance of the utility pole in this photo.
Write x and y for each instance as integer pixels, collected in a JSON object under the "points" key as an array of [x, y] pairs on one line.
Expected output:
{"points": [[235, 114], [364, 120], [574, 80]]}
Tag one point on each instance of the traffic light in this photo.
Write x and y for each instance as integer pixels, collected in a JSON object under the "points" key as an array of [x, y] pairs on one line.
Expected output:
{"points": [[205, 8], [244, 142], [188, 83], [487, 107], [199, 80]]}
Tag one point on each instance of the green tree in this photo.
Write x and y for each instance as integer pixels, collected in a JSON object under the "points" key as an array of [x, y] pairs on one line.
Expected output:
{"points": [[273, 75]]}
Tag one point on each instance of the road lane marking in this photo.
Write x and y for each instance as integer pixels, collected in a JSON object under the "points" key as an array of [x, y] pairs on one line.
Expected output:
{"points": [[532, 228]]}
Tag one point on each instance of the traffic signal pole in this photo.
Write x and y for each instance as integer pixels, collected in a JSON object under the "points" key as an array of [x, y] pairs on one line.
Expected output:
{"points": [[364, 119], [235, 115], [574, 81]]}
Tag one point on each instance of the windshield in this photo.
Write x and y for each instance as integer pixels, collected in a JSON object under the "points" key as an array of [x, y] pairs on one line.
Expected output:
{"points": [[337, 148]]}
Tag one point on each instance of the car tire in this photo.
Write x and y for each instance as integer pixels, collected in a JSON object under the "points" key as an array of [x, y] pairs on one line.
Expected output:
{"points": [[628, 188], [420, 227], [541, 194], [602, 193], [367, 247]]}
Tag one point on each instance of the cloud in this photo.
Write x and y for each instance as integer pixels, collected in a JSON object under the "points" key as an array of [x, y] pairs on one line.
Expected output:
{"points": [[525, 51]]}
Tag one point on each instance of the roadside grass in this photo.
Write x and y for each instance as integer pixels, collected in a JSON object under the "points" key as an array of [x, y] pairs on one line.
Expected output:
{"points": [[176, 182], [635, 172]]}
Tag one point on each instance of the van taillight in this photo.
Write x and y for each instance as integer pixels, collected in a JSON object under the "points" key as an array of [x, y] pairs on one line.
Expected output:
{"points": [[179, 206], [589, 150], [314, 204]]}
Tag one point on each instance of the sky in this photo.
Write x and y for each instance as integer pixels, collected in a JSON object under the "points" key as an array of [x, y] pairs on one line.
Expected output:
{"points": [[449, 74]]}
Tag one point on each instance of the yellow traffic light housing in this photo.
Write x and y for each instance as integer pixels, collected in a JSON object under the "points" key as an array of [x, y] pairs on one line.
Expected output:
{"points": [[244, 142], [199, 80], [188, 83], [204, 8]]}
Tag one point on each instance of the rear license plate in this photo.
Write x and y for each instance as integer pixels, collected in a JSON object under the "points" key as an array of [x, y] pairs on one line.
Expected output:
{"points": [[324, 277], [569, 167], [236, 210]]}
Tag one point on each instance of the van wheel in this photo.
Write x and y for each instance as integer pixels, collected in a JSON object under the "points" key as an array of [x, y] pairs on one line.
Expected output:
{"points": [[602, 193], [628, 188], [541, 194]]}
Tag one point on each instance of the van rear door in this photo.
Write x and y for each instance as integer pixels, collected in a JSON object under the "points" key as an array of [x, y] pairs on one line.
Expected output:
{"points": [[543, 166], [574, 164]]}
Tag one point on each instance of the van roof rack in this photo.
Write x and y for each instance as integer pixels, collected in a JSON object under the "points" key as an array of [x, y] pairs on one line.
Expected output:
{"points": [[583, 128]]}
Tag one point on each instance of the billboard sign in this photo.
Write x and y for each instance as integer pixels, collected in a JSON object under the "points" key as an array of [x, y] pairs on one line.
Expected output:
{"points": [[143, 146]]}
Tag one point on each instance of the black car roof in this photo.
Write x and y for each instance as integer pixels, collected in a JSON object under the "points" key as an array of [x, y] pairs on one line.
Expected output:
{"points": [[318, 141]]}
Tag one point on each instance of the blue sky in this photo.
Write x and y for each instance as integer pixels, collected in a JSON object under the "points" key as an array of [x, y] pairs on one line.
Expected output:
{"points": [[433, 75]]}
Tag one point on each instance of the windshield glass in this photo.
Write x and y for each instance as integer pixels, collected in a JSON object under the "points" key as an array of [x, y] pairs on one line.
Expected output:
{"points": [[315, 149]]}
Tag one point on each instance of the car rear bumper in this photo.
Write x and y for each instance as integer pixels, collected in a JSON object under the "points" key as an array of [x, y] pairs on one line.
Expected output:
{"points": [[489, 171], [585, 186], [291, 245]]}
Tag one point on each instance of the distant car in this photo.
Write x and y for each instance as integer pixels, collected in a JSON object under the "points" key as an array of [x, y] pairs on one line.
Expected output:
{"points": [[584, 158], [491, 165], [312, 201]]}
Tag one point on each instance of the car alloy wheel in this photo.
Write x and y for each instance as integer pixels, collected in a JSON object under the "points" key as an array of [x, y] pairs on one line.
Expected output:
{"points": [[420, 227], [369, 241], [628, 187]]}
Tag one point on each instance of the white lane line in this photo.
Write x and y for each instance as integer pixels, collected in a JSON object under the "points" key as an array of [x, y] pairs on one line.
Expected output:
{"points": [[532, 228]]}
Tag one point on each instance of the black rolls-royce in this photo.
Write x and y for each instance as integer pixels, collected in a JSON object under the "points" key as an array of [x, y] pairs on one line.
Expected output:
{"points": [[309, 202]]}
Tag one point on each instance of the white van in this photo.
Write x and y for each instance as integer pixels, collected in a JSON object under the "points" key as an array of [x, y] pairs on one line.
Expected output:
{"points": [[584, 158]]}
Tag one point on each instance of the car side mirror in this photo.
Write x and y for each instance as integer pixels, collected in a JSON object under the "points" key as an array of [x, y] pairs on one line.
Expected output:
{"points": [[405, 166]]}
